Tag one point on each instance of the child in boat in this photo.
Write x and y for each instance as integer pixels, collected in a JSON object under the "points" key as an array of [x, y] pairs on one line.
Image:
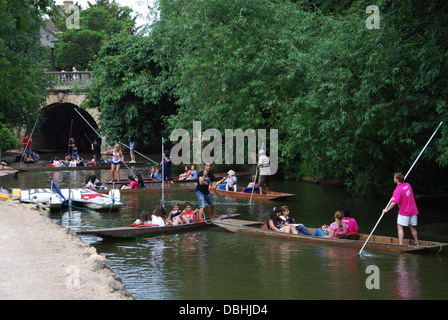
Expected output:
{"points": [[94, 184], [189, 215], [185, 175], [274, 222], [337, 228], [133, 183], [144, 218], [156, 174], [175, 215], [231, 181], [285, 217], [159, 218]]}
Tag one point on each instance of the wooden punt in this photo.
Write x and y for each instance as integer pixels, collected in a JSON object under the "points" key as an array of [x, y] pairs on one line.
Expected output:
{"points": [[99, 167], [175, 179], [354, 240], [7, 173], [247, 193], [150, 231], [150, 190]]}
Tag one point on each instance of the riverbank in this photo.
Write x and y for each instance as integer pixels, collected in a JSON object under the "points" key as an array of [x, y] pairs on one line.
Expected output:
{"points": [[43, 261]]}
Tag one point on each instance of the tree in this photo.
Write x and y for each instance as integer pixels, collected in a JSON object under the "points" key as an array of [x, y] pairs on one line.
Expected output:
{"points": [[125, 89], [351, 103], [100, 21], [23, 81]]}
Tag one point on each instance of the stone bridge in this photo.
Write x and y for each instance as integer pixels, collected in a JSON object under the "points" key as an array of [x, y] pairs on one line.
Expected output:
{"points": [[60, 120]]}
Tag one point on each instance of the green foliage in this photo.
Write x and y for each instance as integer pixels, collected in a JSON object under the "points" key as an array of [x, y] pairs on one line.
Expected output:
{"points": [[8, 140], [350, 103], [23, 82], [79, 46], [124, 89]]}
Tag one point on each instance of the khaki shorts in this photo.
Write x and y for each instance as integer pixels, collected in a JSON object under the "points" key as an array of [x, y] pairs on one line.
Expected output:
{"points": [[405, 221]]}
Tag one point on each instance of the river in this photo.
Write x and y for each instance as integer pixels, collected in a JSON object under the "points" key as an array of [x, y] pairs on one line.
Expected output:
{"points": [[214, 264]]}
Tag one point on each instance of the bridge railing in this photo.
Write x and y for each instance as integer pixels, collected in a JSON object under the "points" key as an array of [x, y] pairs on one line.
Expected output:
{"points": [[65, 79]]}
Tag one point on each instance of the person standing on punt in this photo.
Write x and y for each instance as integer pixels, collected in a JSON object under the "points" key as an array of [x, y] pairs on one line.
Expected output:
{"points": [[206, 179], [407, 209], [117, 158], [265, 171], [96, 152], [27, 147]]}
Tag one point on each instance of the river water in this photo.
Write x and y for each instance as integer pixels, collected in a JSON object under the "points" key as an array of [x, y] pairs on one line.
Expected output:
{"points": [[212, 263]]}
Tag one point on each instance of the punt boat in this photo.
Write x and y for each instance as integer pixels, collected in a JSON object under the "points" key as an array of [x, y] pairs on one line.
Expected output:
{"points": [[7, 173], [175, 179], [88, 167], [247, 193], [384, 243], [148, 190], [144, 231]]}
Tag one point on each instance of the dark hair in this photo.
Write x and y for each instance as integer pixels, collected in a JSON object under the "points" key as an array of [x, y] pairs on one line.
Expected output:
{"points": [[346, 212], [273, 215], [159, 211]]}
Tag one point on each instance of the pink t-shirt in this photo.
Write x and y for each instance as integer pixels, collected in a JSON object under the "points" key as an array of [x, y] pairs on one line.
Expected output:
{"points": [[133, 185], [352, 224], [334, 226], [404, 197]]}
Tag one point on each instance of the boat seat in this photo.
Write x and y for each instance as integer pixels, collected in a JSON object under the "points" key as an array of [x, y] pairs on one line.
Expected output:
{"points": [[350, 236]]}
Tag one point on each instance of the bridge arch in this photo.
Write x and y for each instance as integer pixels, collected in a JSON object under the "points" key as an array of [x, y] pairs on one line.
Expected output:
{"points": [[58, 120]]}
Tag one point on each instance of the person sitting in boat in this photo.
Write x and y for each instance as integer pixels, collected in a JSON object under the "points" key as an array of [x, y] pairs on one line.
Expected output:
{"points": [[57, 163], [144, 218], [285, 217], [352, 224], [93, 183], [274, 222], [157, 176], [193, 173], [231, 181], [133, 183], [141, 184], [185, 175], [159, 217], [337, 228], [79, 161], [72, 163], [189, 215], [175, 215], [252, 183]]}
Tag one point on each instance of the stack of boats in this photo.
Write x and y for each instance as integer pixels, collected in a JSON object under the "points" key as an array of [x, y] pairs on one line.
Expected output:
{"points": [[76, 197]]}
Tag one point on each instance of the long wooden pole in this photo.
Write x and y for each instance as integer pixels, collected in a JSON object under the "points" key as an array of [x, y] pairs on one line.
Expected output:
{"points": [[38, 115], [409, 171]]}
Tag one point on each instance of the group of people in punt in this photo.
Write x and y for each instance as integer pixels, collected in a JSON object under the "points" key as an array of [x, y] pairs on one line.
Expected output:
{"points": [[175, 217], [279, 220]]}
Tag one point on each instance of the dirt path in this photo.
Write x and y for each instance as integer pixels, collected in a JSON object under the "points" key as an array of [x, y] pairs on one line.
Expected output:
{"points": [[40, 260]]}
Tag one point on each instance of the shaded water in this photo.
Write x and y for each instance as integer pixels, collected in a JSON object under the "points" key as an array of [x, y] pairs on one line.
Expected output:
{"points": [[215, 264]]}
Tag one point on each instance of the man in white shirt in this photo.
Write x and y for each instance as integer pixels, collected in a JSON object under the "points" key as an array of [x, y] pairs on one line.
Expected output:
{"points": [[265, 171]]}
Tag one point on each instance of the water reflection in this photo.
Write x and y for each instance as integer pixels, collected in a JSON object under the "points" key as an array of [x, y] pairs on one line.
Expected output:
{"points": [[406, 284]]}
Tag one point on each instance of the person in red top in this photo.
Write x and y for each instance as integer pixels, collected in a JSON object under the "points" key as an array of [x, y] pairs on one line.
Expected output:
{"points": [[407, 214], [27, 146]]}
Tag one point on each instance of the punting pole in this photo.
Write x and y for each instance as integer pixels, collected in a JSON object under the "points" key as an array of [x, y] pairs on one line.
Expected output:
{"points": [[69, 136], [256, 173], [139, 153], [409, 171], [102, 138], [32, 131]]}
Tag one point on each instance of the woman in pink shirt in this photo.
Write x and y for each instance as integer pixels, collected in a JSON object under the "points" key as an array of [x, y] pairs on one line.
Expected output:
{"points": [[337, 228], [407, 209]]}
